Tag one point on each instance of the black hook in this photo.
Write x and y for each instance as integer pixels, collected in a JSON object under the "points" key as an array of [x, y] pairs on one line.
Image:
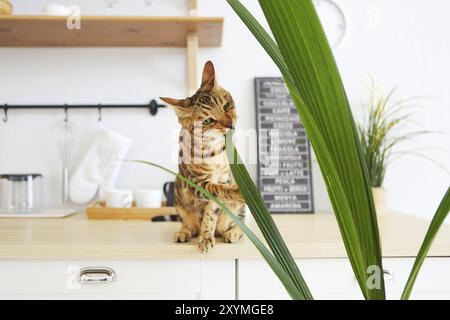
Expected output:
{"points": [[100, 117], [5, 114], [154, 106], [66, 113]]}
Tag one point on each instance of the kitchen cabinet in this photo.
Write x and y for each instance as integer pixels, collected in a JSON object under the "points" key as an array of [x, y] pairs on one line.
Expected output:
{"points": [[133, 279], [42, 259], [217, 280], [330, 279]]}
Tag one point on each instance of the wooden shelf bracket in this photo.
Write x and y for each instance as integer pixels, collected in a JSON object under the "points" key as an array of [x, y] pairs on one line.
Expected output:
{"points": [[192, 52], [192, 62]]}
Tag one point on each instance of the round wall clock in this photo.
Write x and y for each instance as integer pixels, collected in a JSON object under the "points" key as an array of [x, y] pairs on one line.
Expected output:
{"points": [[333, 20]]}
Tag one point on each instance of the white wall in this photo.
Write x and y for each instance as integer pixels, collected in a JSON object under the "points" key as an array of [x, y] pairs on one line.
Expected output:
{"points": [[400, 42]]}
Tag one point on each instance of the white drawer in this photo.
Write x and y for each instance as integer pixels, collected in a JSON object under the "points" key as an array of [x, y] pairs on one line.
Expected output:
{"points": [[334, 279], [134, 279], [433, 281], [323, 276]]}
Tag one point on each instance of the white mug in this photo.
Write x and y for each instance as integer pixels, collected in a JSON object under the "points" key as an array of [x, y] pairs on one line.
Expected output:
{"points": [[148, 198], [119, 198]]}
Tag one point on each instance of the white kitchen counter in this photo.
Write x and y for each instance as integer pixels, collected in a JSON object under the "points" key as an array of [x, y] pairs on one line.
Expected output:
{"points": [[307, 236]]}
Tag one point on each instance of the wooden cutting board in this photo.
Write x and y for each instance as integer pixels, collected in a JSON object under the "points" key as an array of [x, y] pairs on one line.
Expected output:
{"points": [[99, 211]]}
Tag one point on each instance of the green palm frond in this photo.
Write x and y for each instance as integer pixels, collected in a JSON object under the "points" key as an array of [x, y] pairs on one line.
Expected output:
{"points": [[264, 219], [436, 223], [297, 290], [303, 55]]}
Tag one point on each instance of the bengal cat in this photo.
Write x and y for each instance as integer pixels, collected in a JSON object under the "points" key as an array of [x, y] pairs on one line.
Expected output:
{"points": [[205, 119]]}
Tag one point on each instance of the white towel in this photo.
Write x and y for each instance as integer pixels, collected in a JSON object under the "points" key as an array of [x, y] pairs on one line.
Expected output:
{"points": [[100, 167]]}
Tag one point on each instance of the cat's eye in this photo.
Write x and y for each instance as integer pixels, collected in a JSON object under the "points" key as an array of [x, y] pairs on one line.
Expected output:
{"points": [[208, 121], [227, 106]]}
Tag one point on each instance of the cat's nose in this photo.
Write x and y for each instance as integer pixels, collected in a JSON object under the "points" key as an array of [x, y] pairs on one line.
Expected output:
{"points": [[229, 124]]}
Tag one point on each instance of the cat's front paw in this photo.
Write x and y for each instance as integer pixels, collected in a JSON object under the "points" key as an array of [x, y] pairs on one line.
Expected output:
{"points": [[236, 195], [232, 236], [239, 197], [205, 244], [181, 237]]}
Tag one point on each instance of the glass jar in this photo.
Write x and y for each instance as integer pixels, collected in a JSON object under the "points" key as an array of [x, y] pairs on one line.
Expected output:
{"points": [[20, 192]]}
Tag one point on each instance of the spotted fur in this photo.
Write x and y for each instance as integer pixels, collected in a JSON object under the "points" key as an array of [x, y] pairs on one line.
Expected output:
{"points": [[205, 119]]}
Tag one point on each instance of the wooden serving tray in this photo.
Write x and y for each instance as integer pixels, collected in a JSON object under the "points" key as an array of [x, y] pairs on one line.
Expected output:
{"points": [[99, 211]]}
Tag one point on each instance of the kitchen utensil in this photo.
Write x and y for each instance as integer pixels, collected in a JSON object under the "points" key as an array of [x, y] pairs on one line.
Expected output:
{"points": [[21, 192], [64, 137], [148, 198], [119, 198], [6, 7]]}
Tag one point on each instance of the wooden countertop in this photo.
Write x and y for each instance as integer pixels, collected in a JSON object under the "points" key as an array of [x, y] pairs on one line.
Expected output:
{"points": [[307, 236]]}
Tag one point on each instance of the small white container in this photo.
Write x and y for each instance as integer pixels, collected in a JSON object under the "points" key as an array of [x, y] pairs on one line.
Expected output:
{"points": [[119, 198], [148, 198]]}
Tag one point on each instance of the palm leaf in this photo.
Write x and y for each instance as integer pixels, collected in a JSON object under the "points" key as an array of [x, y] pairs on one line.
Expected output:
{"points": [[436, 223], [278, 268], [305, 60], [264, 219]]}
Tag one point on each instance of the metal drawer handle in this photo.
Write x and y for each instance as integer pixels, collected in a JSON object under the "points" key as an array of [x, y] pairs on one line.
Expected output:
{"points": [[95, 275]]}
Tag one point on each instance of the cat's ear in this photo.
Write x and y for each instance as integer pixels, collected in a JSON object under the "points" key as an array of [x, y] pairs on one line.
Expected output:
{"points": [[184, 103], [209, 77]]}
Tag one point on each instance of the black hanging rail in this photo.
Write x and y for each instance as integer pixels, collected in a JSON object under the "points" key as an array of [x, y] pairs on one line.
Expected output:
{"points": [[153, 107]]}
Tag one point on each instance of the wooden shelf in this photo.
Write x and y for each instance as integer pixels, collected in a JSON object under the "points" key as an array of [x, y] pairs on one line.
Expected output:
{"points": [[107, 31]]}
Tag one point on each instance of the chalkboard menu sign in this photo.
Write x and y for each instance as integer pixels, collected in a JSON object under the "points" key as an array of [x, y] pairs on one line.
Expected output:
{"points": [[284, 154]]}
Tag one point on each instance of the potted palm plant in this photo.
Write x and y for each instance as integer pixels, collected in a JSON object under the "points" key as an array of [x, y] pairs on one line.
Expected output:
{"points": [[383, 129]]}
